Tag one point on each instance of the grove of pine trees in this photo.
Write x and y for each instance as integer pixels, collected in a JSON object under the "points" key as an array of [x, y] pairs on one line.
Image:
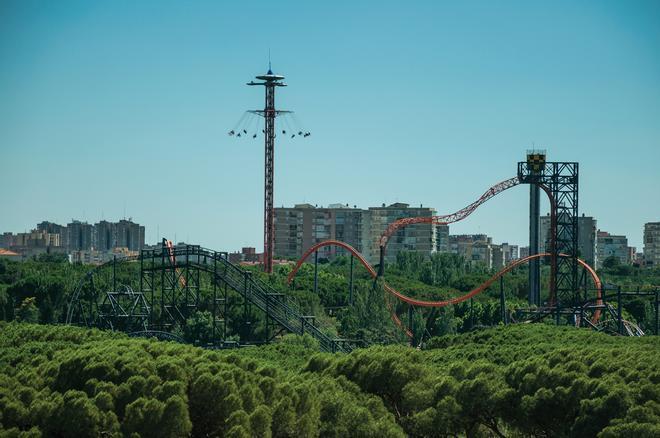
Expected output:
{"points": [[520, 380]]}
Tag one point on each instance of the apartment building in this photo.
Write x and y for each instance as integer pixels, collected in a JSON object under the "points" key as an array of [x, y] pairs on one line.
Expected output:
{"points": [[587, 242], [79, 236], [475, 249], [129, 235], [442, 238], [652, 244], [419, 237], [497, 257], [510, 252], [300, 227], [612, 245]]}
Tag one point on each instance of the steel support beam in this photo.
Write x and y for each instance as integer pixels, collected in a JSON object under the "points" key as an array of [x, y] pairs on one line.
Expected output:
{"points": [[534, 297]]}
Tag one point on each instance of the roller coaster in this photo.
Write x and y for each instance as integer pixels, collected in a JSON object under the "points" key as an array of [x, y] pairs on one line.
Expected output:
{"points": [[157, 292]]}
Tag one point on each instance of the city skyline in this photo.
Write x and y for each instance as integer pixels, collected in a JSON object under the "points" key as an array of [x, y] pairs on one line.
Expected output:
{"points": [[96, 123], [586, 235]]}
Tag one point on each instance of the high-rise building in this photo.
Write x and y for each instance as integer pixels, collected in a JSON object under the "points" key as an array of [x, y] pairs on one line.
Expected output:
{"points": [[122, 234], [33, 239], [610, 245], [419, 237], [288, 225], [304, 225], [6, 240], [497, 256], [524, 252], [300, 227], [442, 238], [105, 236], [51, 227], [129, 235], [510, 252], [587, 241], [652, 244], [79, 236]]}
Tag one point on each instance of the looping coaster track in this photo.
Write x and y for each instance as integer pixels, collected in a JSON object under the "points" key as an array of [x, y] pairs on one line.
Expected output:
{"points": [[443, 303], [459, 215]]}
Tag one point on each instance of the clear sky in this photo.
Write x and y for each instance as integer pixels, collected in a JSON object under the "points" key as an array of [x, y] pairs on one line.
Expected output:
{"points": [[113, 108]]}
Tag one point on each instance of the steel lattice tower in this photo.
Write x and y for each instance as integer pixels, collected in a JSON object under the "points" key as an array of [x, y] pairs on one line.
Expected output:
{"points": [[269, 81], [560, 181]]}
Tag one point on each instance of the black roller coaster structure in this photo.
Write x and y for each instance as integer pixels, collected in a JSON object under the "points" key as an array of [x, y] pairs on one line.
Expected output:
{"points": [[156, 292]]}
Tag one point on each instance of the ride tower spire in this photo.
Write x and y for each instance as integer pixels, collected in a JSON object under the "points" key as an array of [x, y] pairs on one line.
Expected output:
{"points": [[269, 81]]}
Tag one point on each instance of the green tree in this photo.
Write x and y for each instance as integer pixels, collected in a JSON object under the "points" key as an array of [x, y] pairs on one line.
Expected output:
{"points": [[199, 328], [611, 262], [260, 422], [27, 311]]}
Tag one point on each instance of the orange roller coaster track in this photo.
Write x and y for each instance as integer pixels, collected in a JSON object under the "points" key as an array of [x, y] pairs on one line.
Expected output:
{"points": [[451, 218], [423, 303], [465, 212]]}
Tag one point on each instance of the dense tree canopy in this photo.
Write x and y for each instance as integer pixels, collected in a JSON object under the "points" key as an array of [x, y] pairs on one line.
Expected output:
{"points": [[522, 380], [65, 381]]}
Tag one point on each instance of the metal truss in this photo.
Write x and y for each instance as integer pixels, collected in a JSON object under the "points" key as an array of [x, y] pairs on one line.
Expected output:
{"points": [[124, 310], [452, 217], [560, 181], [175, 282]]}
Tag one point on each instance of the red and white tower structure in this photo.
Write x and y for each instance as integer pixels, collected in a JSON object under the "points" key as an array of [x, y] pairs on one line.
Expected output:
{"points": [[270, 81]]}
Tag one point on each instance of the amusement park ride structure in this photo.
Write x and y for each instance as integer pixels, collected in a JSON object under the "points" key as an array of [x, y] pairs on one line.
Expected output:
{"points": [[269, 81], [174, 282], [246, 128]]}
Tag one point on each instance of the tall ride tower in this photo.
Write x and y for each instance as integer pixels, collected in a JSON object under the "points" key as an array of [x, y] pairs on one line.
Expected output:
{"points": [[559, 180], [269, 81], [535, 164]]}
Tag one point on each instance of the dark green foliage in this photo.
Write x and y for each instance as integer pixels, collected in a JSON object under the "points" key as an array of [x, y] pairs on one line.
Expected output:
{"points": [[27, 311], [199, 328], [66, 381], [611, 262], [523, 380], [46, 279], [368, 318], [526, 380]]}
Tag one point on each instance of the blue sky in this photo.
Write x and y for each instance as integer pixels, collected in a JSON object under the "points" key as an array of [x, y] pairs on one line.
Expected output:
{"points": [[109, 107]]}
